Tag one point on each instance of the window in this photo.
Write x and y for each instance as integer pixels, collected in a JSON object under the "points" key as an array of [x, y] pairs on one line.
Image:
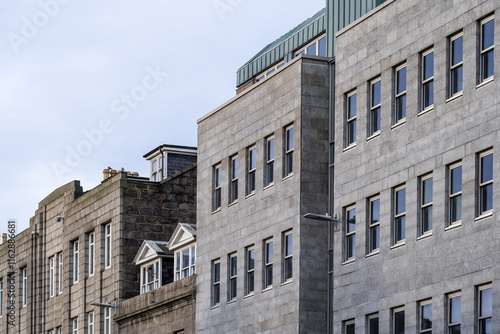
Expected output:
{"points": [[107, 320], [269, 169], [217, 187], [455, 193], [59, 330], [398, 320], [25, 286], [485, 182], [374, 224], [91, 253], [487, 45], [250, 270], [425, 317], [400, 98], [350, 233], [1, 299], [215, 282], [252, 156], [51, 277], [75, 261], [425, 204], [399, 214], [185, 262], [268, 263], [484, 309], [157, 169], [288, 256], [456, 64], [91, 323], [375, 102], [289, 134], [150, 276], [427, 80], [107, 245], [60, 256], [351, 119], [234, 180], [317, 48], [372, 324], [75, 325], [454, 313], [269, 71], [349, 327], [233, 276], [51, 332]]}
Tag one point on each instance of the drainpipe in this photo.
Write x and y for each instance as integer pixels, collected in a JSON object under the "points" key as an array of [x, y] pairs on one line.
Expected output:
{"points": [[331, 162]]}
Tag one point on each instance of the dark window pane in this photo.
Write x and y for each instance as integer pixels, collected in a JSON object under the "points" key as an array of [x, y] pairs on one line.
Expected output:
{"points": [[428, 94], [217, 272], [251, 259], [233, 266], [311, 50], [486, 302], [456, 208], [487, 168], [456, 180], [456, 78], [250, 282], [289, 139], [401, 201], [375, 120], [375, 211], [351, 220], [269, 252], [288, 268], [426, 321], [487, 64], [289, 244], [427, 219], [269, 275], [376, 93], [401, 79], [457, 51], [455, 309], [352, 106], [322, 47], [455, 329], [270, 149], [485, 326], [399, 229], [374, 238], [428, 66], [351, 246], [349, 329], [427, 191], [486, 198], [374, 326], [488, 34], [399, 322], [351, 135], [400, 107]]}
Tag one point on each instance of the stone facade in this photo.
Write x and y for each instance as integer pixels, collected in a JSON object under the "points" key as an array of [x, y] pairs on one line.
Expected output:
{"points": [[134, 209], [295, 96], [447, 259]]}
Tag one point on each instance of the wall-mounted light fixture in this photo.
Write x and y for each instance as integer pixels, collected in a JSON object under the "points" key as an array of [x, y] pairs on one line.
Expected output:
{"points": [[113, 306], [325, 217]]}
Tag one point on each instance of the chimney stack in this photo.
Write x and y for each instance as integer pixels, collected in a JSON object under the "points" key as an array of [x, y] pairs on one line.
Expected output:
{"points": [[4, 238]]}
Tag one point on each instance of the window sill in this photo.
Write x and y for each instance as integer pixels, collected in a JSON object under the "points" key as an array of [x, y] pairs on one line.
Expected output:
{"points": [[425, 111], [289, 176], [250, 195], [398, 245], [250, 295], [215, 307], [399, 123], [232, 301], [425, 235], [270, 185], [287, 282], [486, 81], [485, 215], [454, 225], [216, 211], [233, 203], [350, 147], [352, 260], [269, 288], [373, 253], [374, 135], [456, 96]]}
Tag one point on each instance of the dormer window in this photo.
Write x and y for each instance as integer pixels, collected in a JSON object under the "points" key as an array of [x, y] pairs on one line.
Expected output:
{"points": [[183, 244], [150, 276], [316, 47], [157, 169], [155, 261], [185, 262]]}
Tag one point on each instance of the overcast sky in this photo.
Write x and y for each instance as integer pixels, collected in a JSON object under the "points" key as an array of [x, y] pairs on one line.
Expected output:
{"points": [[89, 84]]}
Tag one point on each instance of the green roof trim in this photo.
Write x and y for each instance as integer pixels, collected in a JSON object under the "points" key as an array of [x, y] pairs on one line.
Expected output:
{"points": [[282, 47]]}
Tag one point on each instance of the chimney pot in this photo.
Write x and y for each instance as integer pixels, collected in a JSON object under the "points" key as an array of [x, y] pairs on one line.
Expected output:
{"points": [[105, 174], [4, 238]]}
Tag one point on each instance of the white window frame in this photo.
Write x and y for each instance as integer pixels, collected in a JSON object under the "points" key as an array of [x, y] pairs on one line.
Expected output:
{"points": [[90, 326], [75, 325], [107, 246], [155, 274], [250, 270], [59, 330], [180, 270], [1, 298], [75, 261], [351, 120], [60, 257], [349, 235], [316, 43], [216, 291], [232, 281], [399, 115], [287, 256], [289, 149], [396, 226], [269, 71], [157, 168], [482, 318], [51, 277], [483, 51], [454, 197], [373, 226], [394, 312], [269, 169], [217, 201], [268, 263], [484, 185], [426, 206], [449, 319], [251, 169], [24, 273], [422, 305], [233, 191], [426, 81], [91, 254], [455, 67], [374, 119], [107, 320]]}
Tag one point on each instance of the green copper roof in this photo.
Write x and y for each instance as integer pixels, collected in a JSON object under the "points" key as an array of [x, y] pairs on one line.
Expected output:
{"points": [[283, 46]]}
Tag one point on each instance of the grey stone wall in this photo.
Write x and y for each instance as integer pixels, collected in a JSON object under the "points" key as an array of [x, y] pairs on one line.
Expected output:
{"points": [[297, 95], [177, 162], [448, 260]]}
